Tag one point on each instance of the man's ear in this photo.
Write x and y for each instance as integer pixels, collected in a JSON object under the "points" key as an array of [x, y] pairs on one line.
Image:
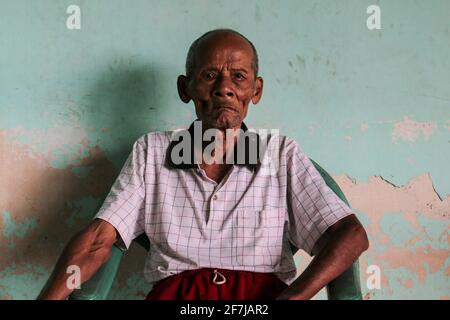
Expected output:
{"points": [[182, 84], [258, 90]]}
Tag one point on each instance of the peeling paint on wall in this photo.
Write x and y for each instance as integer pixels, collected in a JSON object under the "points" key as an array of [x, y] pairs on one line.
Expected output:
{"points": [[408, 227], [410, 130], [42, 206], [364, 126]]}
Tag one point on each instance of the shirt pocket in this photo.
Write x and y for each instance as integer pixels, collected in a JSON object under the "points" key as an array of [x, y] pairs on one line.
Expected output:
{"points": [[258, 237]]}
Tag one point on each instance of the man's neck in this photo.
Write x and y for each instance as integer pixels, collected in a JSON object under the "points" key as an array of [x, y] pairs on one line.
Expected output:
{"points": [[224, 141]]}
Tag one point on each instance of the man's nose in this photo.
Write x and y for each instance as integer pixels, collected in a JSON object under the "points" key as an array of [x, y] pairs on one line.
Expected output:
{"points": [[223, 88]]}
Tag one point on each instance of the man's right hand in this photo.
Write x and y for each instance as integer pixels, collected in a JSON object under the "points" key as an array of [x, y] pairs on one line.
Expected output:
{"points": [[87, 250]]}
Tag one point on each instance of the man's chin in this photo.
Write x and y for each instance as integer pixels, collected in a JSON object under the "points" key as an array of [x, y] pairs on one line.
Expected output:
{"points": [[225, 124]]}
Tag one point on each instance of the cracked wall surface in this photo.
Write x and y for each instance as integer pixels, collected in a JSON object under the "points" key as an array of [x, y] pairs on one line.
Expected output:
{"points": [[371, 107]]}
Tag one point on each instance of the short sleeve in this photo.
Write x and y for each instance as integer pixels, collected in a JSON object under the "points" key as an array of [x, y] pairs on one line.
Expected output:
{"points": [[312, 206], [124, 206]]}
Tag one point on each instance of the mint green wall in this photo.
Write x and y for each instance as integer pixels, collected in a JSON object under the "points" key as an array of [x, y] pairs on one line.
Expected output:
{"points": [[372, 107]]}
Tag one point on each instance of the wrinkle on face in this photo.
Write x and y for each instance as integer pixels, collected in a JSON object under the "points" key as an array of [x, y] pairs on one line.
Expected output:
{"points": [[223, 82]]}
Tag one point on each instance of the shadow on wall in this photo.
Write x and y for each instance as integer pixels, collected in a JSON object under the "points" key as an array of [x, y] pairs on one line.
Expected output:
{"points": [[49, 205], [126, 101]]}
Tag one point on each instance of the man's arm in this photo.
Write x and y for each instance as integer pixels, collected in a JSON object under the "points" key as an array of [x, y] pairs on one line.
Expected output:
{"points": [[88, 250], [345, 242]]}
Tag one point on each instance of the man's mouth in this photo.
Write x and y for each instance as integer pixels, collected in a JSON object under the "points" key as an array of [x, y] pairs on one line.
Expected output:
{"points": [[225, 108]]}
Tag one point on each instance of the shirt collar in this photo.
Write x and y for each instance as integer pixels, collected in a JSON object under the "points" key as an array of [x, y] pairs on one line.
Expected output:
{"points": [[253, 137]]}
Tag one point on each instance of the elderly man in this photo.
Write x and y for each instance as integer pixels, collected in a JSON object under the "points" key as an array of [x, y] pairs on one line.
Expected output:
{"points": [[219, 229]]}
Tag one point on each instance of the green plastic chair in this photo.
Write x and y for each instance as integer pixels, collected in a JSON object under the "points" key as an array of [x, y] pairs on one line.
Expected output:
{"points": [[345, 287]]}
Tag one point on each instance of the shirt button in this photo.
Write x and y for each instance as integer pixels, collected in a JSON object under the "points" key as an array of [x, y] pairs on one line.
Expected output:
{"points": [[215, 197]]}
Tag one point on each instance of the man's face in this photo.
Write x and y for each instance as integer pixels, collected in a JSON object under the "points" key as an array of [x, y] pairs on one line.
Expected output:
{"points": [[223, 81]]}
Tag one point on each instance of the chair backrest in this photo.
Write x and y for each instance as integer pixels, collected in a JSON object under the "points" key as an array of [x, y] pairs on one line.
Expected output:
{"points": [[345, 287]]}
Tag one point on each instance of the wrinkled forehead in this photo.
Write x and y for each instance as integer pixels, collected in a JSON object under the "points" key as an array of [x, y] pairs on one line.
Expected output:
{"points": [[224, 48]]}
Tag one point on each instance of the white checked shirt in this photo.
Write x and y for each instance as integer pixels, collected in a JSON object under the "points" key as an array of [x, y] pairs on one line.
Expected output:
{"points": [[245, 222]]}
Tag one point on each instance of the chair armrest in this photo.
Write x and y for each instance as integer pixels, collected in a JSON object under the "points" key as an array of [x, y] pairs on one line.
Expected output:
{"points": [[97, 287], [346, 286]]}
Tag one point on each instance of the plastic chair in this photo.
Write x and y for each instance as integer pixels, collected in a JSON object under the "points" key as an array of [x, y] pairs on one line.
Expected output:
{"points": [[345, 287]]}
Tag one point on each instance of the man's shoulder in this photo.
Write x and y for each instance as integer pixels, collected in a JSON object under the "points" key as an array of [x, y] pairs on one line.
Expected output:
{"points": [[155, 138], [288, 148], [156, 141], [284, 142]]}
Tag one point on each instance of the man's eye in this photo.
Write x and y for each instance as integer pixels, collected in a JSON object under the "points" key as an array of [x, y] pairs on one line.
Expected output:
{"points": [[210, 75], [239, 76]]}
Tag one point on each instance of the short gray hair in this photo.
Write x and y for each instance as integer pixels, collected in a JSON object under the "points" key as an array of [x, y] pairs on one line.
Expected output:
{"points": [[190, 59]]}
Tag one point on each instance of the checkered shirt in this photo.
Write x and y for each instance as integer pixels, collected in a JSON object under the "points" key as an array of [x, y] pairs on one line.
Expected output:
{"points": [[245, 222]]}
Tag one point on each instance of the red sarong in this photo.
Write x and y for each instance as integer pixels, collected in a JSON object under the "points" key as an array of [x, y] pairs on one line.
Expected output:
{"points": [[217, 284]]}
